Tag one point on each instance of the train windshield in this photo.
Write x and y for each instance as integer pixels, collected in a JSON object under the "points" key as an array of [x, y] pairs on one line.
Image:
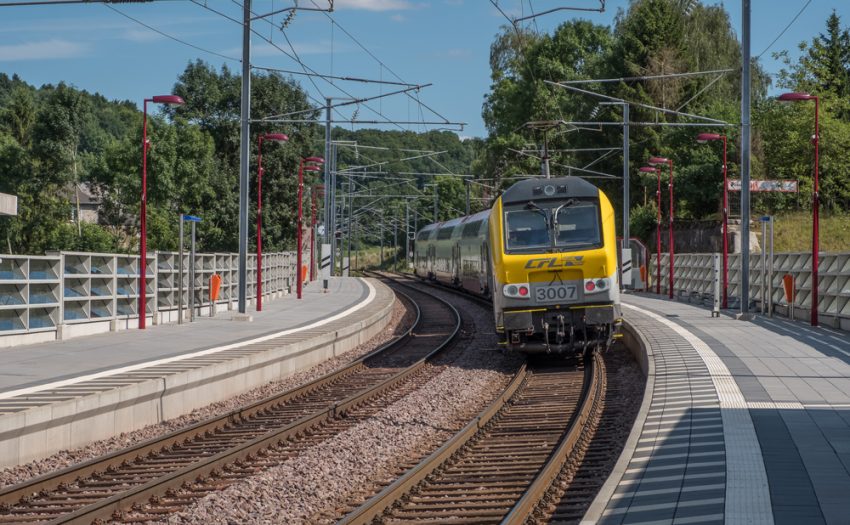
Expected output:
{"points": [[576, 224], [528, 229]]}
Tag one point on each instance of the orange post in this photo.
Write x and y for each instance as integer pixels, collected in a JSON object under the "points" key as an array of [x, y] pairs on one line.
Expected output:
{"points": [[788, 284], [215, 287]]}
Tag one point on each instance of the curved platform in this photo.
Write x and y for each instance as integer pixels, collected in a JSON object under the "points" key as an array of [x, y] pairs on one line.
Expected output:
{"points": [[742, 422], [65, 394]]}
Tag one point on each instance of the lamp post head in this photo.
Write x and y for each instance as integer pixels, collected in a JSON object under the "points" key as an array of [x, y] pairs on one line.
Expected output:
{"points": [[274, 137], [654, 161], [312, 167], [648, 169], [317, 160], [170, 100], [702, 138], [794, 97]]}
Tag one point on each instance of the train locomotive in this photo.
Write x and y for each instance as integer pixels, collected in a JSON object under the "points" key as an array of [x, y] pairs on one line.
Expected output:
{"points": [[545, 254]]}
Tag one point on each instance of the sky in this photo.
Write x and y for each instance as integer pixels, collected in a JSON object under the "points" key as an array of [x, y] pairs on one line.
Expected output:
{"points": [[444, 43]]}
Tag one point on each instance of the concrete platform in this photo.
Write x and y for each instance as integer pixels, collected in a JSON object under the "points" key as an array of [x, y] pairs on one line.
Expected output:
{"points": [[743, 422], [65, 394]]}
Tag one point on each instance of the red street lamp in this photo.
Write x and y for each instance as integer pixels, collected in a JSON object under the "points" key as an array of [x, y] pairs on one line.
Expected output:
{"points": [[796, 97], [654, 161], [652, 169], [317, 190], [704, 138], [171, 100], [269, 137], [309, 164]]}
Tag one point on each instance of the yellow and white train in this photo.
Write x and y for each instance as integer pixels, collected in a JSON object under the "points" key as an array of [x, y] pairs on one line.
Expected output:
{"points": [[545, 254]]}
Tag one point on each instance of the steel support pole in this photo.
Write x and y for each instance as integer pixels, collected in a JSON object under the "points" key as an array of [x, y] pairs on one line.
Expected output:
{"points": [[658, 236], [192, 276], [326, 179], [672, 240], [406, 233], [745, 159], [350, 217], [395, 244], [244, 157], [466, 181], [299, 234], [763, 294], [180, 273], [816, 221], [332, 211], [725, 227], [260, 224], [436, 204], [626, 196], [770, 273]]}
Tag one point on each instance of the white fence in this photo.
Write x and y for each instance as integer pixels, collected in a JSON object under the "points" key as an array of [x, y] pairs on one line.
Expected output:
{"points": [[71, 293], [693, 277]]}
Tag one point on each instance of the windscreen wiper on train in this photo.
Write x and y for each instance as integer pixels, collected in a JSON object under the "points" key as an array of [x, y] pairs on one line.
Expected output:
{"points": [[532, 206], [556, 211]]}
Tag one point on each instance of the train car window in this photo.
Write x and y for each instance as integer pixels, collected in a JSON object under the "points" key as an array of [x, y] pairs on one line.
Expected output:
{"points": [[577, 224], [527, 229], [471, 229], [424, 235], [445, 233]]}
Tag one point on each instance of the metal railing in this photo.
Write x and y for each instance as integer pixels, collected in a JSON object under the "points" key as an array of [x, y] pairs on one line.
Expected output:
{"points": [[693, 278], [41, 293]]}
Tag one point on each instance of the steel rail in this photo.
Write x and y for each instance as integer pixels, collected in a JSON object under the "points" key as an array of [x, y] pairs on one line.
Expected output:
{"points": [[377, 505], [593, 387], [107, 507], [12, 494], [591, 404], [594, 393]]}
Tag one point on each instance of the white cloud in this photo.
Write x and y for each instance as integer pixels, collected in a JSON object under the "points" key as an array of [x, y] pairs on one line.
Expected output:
{"points": [[44, 50], [374, 5], [321, 47], [458, 53], [141, 35]]}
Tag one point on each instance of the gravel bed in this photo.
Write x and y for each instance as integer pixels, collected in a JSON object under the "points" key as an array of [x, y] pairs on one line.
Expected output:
{"points": [[401, 319], [313, 486]]}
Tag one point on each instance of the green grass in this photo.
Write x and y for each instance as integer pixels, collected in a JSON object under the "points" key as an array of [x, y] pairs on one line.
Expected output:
{"points": [[793, 232], [370, 258]]}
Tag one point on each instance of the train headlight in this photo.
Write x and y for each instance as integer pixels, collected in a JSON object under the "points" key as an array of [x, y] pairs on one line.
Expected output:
{"points": [[517, 291], [593, 286]]}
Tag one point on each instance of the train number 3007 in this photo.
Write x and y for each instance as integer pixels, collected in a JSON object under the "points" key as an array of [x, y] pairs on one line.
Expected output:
{"points": [[555, 293]]}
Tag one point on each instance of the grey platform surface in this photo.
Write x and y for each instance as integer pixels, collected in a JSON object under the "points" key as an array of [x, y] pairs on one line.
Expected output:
{"points": [[39, 364], [749, 422]]}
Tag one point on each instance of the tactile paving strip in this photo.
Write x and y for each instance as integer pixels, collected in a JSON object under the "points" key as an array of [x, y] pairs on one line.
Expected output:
{"points": [[698, 459]]}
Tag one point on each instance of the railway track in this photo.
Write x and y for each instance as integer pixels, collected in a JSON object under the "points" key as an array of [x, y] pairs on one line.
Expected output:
{"points": [[498, 467], [165, 474], [538, 454]]}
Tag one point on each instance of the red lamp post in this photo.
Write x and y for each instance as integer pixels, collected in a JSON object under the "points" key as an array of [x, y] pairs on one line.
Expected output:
{"points": [[703, 138], [796, 97], [652, 169], [269, 137], [654, 161], [171, 100], [317, 190], [309, 164]]}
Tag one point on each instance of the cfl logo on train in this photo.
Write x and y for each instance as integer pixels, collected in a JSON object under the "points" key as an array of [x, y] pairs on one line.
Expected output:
{"points": [[552, 262]]}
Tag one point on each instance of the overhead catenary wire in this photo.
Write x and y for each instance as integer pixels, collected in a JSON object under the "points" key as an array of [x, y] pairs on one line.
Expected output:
{"points": [[292, 57], [800, 12], [169, 36], [334, 23]]}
